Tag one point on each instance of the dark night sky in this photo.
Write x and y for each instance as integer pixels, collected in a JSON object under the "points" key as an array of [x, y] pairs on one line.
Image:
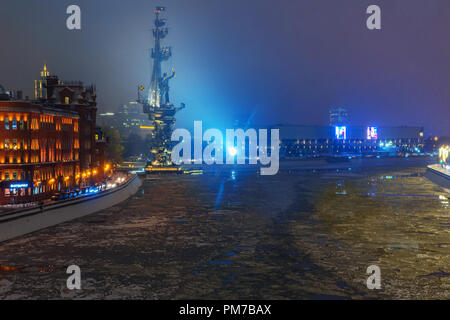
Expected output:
{"points": [[285, 61]]}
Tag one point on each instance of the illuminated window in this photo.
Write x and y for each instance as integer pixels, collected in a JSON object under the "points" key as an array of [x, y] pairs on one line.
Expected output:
{"points": [[34, 144], [34, 124], [66, 100], [14, 124], [6, 123]]}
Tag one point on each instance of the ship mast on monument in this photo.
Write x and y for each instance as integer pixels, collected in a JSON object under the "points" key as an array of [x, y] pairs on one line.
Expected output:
{"points": [[156, 100]]}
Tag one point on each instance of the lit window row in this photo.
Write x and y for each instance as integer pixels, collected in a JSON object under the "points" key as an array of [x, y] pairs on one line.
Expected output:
{"points": [[19, 160], [12, 175], [67, 120], [46, 118]]}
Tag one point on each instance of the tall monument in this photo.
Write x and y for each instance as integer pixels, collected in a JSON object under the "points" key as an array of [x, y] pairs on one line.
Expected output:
{"points": [[156, 99]]}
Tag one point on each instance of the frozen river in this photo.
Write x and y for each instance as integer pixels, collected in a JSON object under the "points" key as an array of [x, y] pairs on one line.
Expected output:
{"points": [[301, 234]]}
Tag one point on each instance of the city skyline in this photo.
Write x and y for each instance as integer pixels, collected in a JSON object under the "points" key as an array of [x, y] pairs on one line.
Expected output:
{"points": [[321, 55]]}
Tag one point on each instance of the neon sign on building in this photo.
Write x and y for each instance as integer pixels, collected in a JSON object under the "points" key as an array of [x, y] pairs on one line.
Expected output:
{"points": [[18, 185], [341, 133], [372, 133]]}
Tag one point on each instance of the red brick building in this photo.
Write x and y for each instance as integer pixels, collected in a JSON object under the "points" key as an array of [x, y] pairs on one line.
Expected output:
{"points": [[49, 144]]}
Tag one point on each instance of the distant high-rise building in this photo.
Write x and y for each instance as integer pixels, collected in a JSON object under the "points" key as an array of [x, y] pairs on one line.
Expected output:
{"points": [[129, 119], [107, 119], [338, 116], [3, 94], [40, 86]]}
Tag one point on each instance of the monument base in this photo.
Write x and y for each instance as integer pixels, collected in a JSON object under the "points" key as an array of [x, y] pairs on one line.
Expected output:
{"points": [[163, 170]]}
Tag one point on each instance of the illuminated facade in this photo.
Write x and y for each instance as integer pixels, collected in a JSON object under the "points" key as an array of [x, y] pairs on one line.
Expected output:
{"points": [[310, 141], [49, 144]]}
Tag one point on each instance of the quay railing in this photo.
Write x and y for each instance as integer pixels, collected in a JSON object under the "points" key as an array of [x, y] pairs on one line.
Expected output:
{"points": [[23, 212]]}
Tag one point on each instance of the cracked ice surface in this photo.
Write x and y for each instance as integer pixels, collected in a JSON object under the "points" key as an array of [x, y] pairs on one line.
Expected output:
{"points": [[296, 235]]}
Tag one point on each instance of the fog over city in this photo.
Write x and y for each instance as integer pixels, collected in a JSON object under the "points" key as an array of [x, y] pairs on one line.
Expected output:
{"points": [[282, 62]]}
